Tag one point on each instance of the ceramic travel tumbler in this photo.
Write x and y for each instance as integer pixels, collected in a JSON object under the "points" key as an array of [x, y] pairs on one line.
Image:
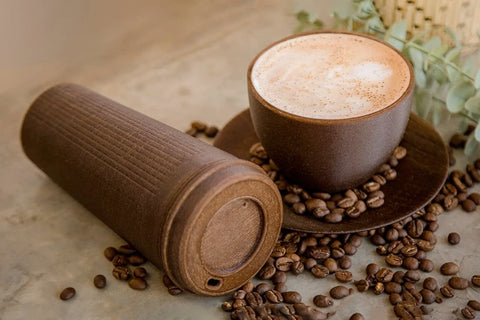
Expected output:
{"points": [[208, 219]]}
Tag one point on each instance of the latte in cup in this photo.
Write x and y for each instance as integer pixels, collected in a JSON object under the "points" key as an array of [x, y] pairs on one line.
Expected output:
{"points": [[330, 76]]}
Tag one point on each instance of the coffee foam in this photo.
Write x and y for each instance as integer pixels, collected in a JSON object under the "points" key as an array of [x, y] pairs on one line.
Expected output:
{"points": [[330, 76]]}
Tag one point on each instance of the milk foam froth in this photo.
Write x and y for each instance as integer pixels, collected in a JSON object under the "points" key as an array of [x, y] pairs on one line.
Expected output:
{"points": [[330, 76]]}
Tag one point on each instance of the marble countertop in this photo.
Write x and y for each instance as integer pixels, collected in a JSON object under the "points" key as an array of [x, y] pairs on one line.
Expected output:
{"points": [[184, 60]]}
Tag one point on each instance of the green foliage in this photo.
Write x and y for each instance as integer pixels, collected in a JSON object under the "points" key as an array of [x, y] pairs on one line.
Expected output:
{"points": [[445, 84]]}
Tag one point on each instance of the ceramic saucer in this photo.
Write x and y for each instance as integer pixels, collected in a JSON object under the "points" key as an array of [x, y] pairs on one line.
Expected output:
{"points": [[421, 174]]}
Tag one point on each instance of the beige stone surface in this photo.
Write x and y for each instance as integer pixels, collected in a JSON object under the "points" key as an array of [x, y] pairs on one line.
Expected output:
{"points": [[175, 61]]}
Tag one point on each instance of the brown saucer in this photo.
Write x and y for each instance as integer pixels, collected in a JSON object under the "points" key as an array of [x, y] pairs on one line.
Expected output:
{"points": [[421, 174]]}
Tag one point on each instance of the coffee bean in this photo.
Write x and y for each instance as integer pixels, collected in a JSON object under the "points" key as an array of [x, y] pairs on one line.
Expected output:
{"points": [[262, 288], [320, 213], [428, 297], [453, 238], [345, 263], [281, 287], [400, 152], [377, 240], [468, 313], [425, 245], [319, 271], [343, 276], [371, 186], [407, 311], [292, 297], [415, 228], [395, 247], [394, 260], [409, 251], [430, 284], [449, 189], [309, 313], [239, 294], [67, 293], [314, 203], [381, 250], [433, 226], [211, 131], [322, 195], [450, 202], [375, 202], [426, 265], [474, 304], [140, 272], [476, 280], [322, 301], [331, 265], [447, 291], [411, 276], [378, 288], [310, 263], [100, 281], [137, 284], [333, 217], [458, 141], [468, 205], [475, 197], [346, 202], [297, 267], [227, 306], [393, 287], [121, 273], [398, 276], [410, 263], [120, 260], [239, 303], [349, 249], [362, 285], [279, 277], [337, 253], [254, 299], [384, 275], [319, 253], [278, 251], [267, 272], [126, 250], [391, 235], [192, 132], [274, 296], [372, 269], [291, 198], [449, 268], [458, 283], [200, 126], [174, 291], [462, 197], [299, 208], [136, 259], [110, 253], [390, 174], [357, 316], [339, 292], [395, 298]]}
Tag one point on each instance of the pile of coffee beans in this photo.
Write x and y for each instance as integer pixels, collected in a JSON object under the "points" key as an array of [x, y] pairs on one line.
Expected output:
{"points": [[331, 208], [198, 127], [122, 258]]}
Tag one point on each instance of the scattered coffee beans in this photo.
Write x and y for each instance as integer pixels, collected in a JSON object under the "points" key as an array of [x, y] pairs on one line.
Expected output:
{"points": [[339, 292], [476, 280], [67, 293], [110, 253], [357, 316], [140, 272], [100, 281], [458, 283], [137, 284], [322, 301], [197, 127], [449, 269]]}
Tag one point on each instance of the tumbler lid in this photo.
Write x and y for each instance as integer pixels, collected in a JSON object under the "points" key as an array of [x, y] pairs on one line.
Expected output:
{"points": [[222, 228]]}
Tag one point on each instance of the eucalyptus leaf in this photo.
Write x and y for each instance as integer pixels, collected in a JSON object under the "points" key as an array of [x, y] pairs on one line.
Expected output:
{"points": [[366, 9], [416, 56], [433, 44], [437, 53], [458, 95], [471, 145], [462, 125], [374, 25], [453, 54], [397, 34], [468, 67], [454, 36], [439, 73], [423, 102], [420, 77], [477, 80], [477, 133], [473, 104]]}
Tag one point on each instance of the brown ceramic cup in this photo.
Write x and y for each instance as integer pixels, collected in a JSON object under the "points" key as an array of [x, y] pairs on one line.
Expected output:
{"points": [[330, 154]]}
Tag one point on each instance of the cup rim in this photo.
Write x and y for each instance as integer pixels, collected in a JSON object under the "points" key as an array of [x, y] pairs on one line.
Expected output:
{"points": [[268, 105]]}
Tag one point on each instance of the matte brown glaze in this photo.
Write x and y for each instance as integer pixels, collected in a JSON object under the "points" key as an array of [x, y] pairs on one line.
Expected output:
{"points": [[421, 174], [329, 155], [207, 218]]}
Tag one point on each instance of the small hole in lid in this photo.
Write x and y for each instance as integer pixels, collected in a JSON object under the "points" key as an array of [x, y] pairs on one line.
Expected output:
{"points": [[213, 283]]}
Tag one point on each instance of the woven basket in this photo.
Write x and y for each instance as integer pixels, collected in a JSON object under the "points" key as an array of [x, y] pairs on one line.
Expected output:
{"points": [[462, 16]]}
